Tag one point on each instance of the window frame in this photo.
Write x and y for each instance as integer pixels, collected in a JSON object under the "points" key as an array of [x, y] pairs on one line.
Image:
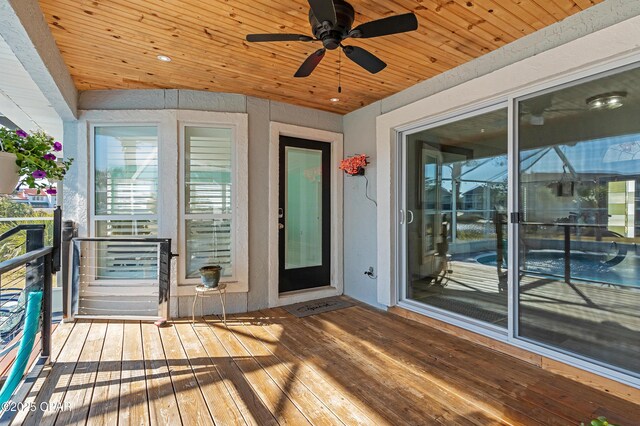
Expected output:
{"points": [[170, 217], [184, 216], [93, 217], [238, 124]]}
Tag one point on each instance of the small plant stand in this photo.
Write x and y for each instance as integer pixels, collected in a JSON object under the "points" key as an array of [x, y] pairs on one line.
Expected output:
{"points": [[203, 291]]}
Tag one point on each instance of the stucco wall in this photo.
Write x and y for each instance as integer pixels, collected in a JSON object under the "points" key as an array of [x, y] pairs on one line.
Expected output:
{"points": [[360, 237], [360, 251], [260, 112]]}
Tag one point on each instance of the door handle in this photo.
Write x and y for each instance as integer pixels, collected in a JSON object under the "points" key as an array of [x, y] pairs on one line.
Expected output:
{"points": [[410, 220], [280, 226], [401, 217]]}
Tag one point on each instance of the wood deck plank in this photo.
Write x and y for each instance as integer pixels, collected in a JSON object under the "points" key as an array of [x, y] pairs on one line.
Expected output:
{"points": [[517, 387], [162, 399], [58, 339], [354, 375], [285, 375], [277, 400], [133, 389], [59, 376], [447, 373], [349, 410], [106, 393], [220, 402], [439, 404], [77, 399], [349, 366], [253, 409], [193, 407]]}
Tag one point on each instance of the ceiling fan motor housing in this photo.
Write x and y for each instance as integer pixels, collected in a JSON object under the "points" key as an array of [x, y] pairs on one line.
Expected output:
{"points": [[332, 35]]}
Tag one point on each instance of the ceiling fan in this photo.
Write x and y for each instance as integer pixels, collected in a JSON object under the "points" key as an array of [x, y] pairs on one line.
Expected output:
{"points": [[331, 22]]}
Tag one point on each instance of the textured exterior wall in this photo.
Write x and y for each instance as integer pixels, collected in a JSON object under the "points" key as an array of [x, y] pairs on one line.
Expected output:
{"points": [[360, 251], [260, 111], [452, 90]]}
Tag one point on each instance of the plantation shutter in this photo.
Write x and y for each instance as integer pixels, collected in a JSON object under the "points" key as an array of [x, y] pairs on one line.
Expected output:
{"points": [[208, 199]]}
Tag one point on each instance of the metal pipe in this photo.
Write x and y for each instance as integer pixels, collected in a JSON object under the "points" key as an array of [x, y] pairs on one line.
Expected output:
{"points": [[567, 253], [46, 307]]}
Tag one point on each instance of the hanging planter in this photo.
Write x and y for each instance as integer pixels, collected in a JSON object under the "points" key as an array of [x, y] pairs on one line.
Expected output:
{"points": [[9, 173], [354, 165], [32, 157]]}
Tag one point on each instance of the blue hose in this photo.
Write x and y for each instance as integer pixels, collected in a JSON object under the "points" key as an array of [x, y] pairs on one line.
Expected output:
{"points": [[26, 346]]}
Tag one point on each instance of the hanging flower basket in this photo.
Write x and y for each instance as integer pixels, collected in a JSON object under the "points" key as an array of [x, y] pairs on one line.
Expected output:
{"points": [[32, 157], [354, 165], [9, 173]]}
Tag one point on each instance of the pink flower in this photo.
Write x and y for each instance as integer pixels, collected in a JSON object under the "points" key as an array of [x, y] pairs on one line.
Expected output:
{"points": [[49, 157], [39, 174], [57, 146], [353, 165], [21, 133], [51, 191]]}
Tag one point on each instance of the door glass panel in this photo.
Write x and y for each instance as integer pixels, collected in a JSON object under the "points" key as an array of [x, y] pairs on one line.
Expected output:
{"points": [[303, 207], [456, 201], [579, 266]]}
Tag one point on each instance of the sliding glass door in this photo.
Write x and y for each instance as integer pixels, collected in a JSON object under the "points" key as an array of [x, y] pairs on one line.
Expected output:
{"points": [[564, 185], [455, 204], [579, 203]]}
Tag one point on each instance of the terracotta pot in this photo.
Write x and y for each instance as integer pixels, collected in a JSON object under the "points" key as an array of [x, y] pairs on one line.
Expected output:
{"points": [[9, 173]]}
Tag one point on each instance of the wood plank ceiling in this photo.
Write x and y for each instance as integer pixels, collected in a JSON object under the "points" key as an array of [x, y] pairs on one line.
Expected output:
{"points": [[113, 44]]}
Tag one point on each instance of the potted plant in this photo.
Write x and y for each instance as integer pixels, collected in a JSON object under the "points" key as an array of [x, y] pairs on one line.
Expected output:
{"points": [[354, 165], [210, 275], [32, 157]]}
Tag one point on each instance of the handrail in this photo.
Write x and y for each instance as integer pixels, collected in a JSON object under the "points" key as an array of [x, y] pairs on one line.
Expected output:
{"points": [[576, 224], [16, 262], [123, 239], [19, 228]]}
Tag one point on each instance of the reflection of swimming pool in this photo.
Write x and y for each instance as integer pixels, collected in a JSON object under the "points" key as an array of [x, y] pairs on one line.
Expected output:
{"points": [[584, 266]]}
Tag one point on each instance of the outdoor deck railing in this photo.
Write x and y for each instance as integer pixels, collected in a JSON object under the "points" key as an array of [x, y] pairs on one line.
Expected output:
{"points": [[123, 278], [25, 313]]}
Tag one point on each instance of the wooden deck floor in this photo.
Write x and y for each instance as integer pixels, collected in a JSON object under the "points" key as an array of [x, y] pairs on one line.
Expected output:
{"points": [[351, 366]]}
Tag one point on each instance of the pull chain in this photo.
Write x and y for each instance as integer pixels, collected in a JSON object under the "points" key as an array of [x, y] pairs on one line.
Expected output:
{"points": [[339, 70]]}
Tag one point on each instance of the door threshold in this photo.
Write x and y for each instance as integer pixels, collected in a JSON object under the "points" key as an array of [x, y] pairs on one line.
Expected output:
{"points": [[306, 295]]}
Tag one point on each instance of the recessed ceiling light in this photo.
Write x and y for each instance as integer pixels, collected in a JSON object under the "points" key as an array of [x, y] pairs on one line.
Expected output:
{"points": [[610, 100], [163, 58], [334, 99]]}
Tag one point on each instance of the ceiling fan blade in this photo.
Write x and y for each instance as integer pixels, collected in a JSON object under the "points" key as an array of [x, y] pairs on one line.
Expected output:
{"points": [[365, 59], [278, 37], [323, 10], [386, 26], [310, 63]]}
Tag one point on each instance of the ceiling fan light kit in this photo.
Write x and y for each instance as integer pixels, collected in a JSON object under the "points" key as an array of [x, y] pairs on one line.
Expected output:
{"points": [[331, 22], [609, 100]]}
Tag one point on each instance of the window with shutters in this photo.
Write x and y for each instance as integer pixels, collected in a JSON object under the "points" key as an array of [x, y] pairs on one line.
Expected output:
{"points": [[125, 198], [209, 194]]}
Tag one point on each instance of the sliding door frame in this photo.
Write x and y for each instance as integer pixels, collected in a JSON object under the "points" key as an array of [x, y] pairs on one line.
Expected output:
{"points": [[401, 224], [398, 228]]}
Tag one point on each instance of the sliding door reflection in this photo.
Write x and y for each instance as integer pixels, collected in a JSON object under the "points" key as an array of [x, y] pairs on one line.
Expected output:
{"points": [[579, 268], [456, 204]]}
